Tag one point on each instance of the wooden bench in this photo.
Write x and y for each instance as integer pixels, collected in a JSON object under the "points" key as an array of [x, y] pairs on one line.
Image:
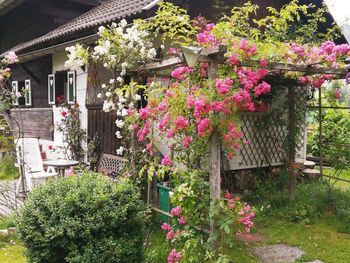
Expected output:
{"points": [[111, 165]]}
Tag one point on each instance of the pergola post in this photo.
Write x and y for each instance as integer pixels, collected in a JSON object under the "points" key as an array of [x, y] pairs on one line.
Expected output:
{"points": [[291, 141], [215, 160]]}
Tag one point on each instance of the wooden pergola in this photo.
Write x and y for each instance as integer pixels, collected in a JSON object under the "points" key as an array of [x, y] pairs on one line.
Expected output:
{"points": [[215, 56]]}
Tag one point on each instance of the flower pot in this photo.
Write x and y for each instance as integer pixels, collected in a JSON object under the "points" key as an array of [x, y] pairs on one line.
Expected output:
{"points": [[259, 107]]}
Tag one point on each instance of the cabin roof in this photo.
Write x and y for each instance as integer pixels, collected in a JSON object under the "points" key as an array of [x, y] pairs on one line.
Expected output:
{"points": [[107, 11]]}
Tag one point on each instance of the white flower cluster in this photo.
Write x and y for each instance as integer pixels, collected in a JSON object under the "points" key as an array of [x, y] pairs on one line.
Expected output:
{"points": [[123, 47], [77, 57]]}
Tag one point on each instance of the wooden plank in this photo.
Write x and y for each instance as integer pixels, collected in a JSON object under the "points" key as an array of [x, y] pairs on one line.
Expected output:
{"points": [[291, 141], [215, 164]]}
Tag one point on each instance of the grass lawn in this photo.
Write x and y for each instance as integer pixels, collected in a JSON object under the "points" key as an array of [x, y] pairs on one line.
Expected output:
{"points": [[344, 175], [11, 252], [319, 241]]}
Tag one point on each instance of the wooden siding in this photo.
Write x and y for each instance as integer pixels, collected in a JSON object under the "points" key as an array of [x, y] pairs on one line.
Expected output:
{"points": [[37, 71], [97, 75], [103, 124], [35, 123], [35, 18]]}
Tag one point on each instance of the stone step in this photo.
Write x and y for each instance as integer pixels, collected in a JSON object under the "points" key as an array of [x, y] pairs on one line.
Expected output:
{"points": [[311, 174], [309, 164]]}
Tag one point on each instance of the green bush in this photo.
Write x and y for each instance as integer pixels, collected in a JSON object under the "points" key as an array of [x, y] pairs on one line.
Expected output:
{"points": [[86, 218]]}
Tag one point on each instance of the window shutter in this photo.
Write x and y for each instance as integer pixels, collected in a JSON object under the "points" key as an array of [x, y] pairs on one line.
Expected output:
{"points": [[51, 89], [71, 87], [14, 91], [28, 92]]}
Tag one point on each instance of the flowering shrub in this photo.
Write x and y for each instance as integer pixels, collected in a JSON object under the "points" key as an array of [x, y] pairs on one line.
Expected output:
{"points": [[72, 132], [6, 95], [191, 199], [185, 112]]}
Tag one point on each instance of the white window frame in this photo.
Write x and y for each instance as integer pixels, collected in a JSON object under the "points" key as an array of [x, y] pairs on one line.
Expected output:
{"points": [[14, 92], [28, 92], [71, 75], [51, 102]]}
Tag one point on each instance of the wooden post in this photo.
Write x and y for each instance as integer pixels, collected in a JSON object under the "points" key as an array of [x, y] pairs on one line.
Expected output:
{"points": [[215, 162], [320, 142], [291, 141]]}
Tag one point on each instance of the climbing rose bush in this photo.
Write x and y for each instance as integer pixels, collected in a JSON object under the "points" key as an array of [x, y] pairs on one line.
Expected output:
{"points": [[7, 96]]}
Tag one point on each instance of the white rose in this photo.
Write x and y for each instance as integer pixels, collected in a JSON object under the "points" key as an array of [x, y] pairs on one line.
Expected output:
{"points": [[120, 79], [99, 96], [120, 150], [111, 81], [124, 112], [118, 134], [137, 97], [103, 86], [101, 29], [108, 94], [119, 123]]}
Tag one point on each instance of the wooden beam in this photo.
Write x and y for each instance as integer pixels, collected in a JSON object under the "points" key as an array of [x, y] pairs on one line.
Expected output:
{"points": [[216, 54]]}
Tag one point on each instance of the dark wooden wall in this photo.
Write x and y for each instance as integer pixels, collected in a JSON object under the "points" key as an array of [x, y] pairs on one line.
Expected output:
{"points": [[103, 124], [37, 71], [34, 18], [33, 123]]}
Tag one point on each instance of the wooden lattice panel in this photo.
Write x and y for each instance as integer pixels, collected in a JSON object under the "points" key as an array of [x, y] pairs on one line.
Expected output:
{"points": [[266, 146], [301, 101]]}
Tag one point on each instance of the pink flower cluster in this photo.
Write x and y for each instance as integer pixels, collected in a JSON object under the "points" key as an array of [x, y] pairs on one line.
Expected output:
{"points": [[205, 37], [249, 50], [174, 256], [223, 87], [181, 122], [204, 127], [142, 133], [232, 138], [11, 57], [166, 161], [180, 73], [262, 88], [245, 218], [186, 142]]}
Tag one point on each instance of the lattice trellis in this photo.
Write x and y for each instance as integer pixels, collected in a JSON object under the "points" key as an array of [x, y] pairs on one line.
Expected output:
{"points": [[266, 146], [301, 101]]}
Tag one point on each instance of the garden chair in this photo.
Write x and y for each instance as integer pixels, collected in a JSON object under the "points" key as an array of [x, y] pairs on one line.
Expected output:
{"points": [[111, 165], [28, 154]]}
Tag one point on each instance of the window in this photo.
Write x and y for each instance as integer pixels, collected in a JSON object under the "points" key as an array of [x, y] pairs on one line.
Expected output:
{"points": [[14, 91], [24, 88], [62, 87]]}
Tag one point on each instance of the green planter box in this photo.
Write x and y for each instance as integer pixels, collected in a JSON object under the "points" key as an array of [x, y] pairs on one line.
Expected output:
{"points": [[164, 205]]}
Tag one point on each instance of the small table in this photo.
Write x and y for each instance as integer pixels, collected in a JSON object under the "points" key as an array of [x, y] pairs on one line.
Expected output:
{"points": [[61, 164]]}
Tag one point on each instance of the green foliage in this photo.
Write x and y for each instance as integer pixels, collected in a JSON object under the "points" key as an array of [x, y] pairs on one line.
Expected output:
{"points": [[170, 23], [7, 170], [86, 218], [335, 138], [313, 202], [294, 22]]}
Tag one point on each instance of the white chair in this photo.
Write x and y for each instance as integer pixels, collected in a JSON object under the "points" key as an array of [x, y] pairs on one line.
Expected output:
{"points": [[28, 154]]}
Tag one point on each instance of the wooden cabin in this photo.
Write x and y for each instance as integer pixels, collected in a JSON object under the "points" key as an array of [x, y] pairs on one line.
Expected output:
{"points": [[39, 30]]}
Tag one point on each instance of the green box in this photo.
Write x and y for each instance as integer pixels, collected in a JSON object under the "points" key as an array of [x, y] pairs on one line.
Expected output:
{"points": [[164, 203]]}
